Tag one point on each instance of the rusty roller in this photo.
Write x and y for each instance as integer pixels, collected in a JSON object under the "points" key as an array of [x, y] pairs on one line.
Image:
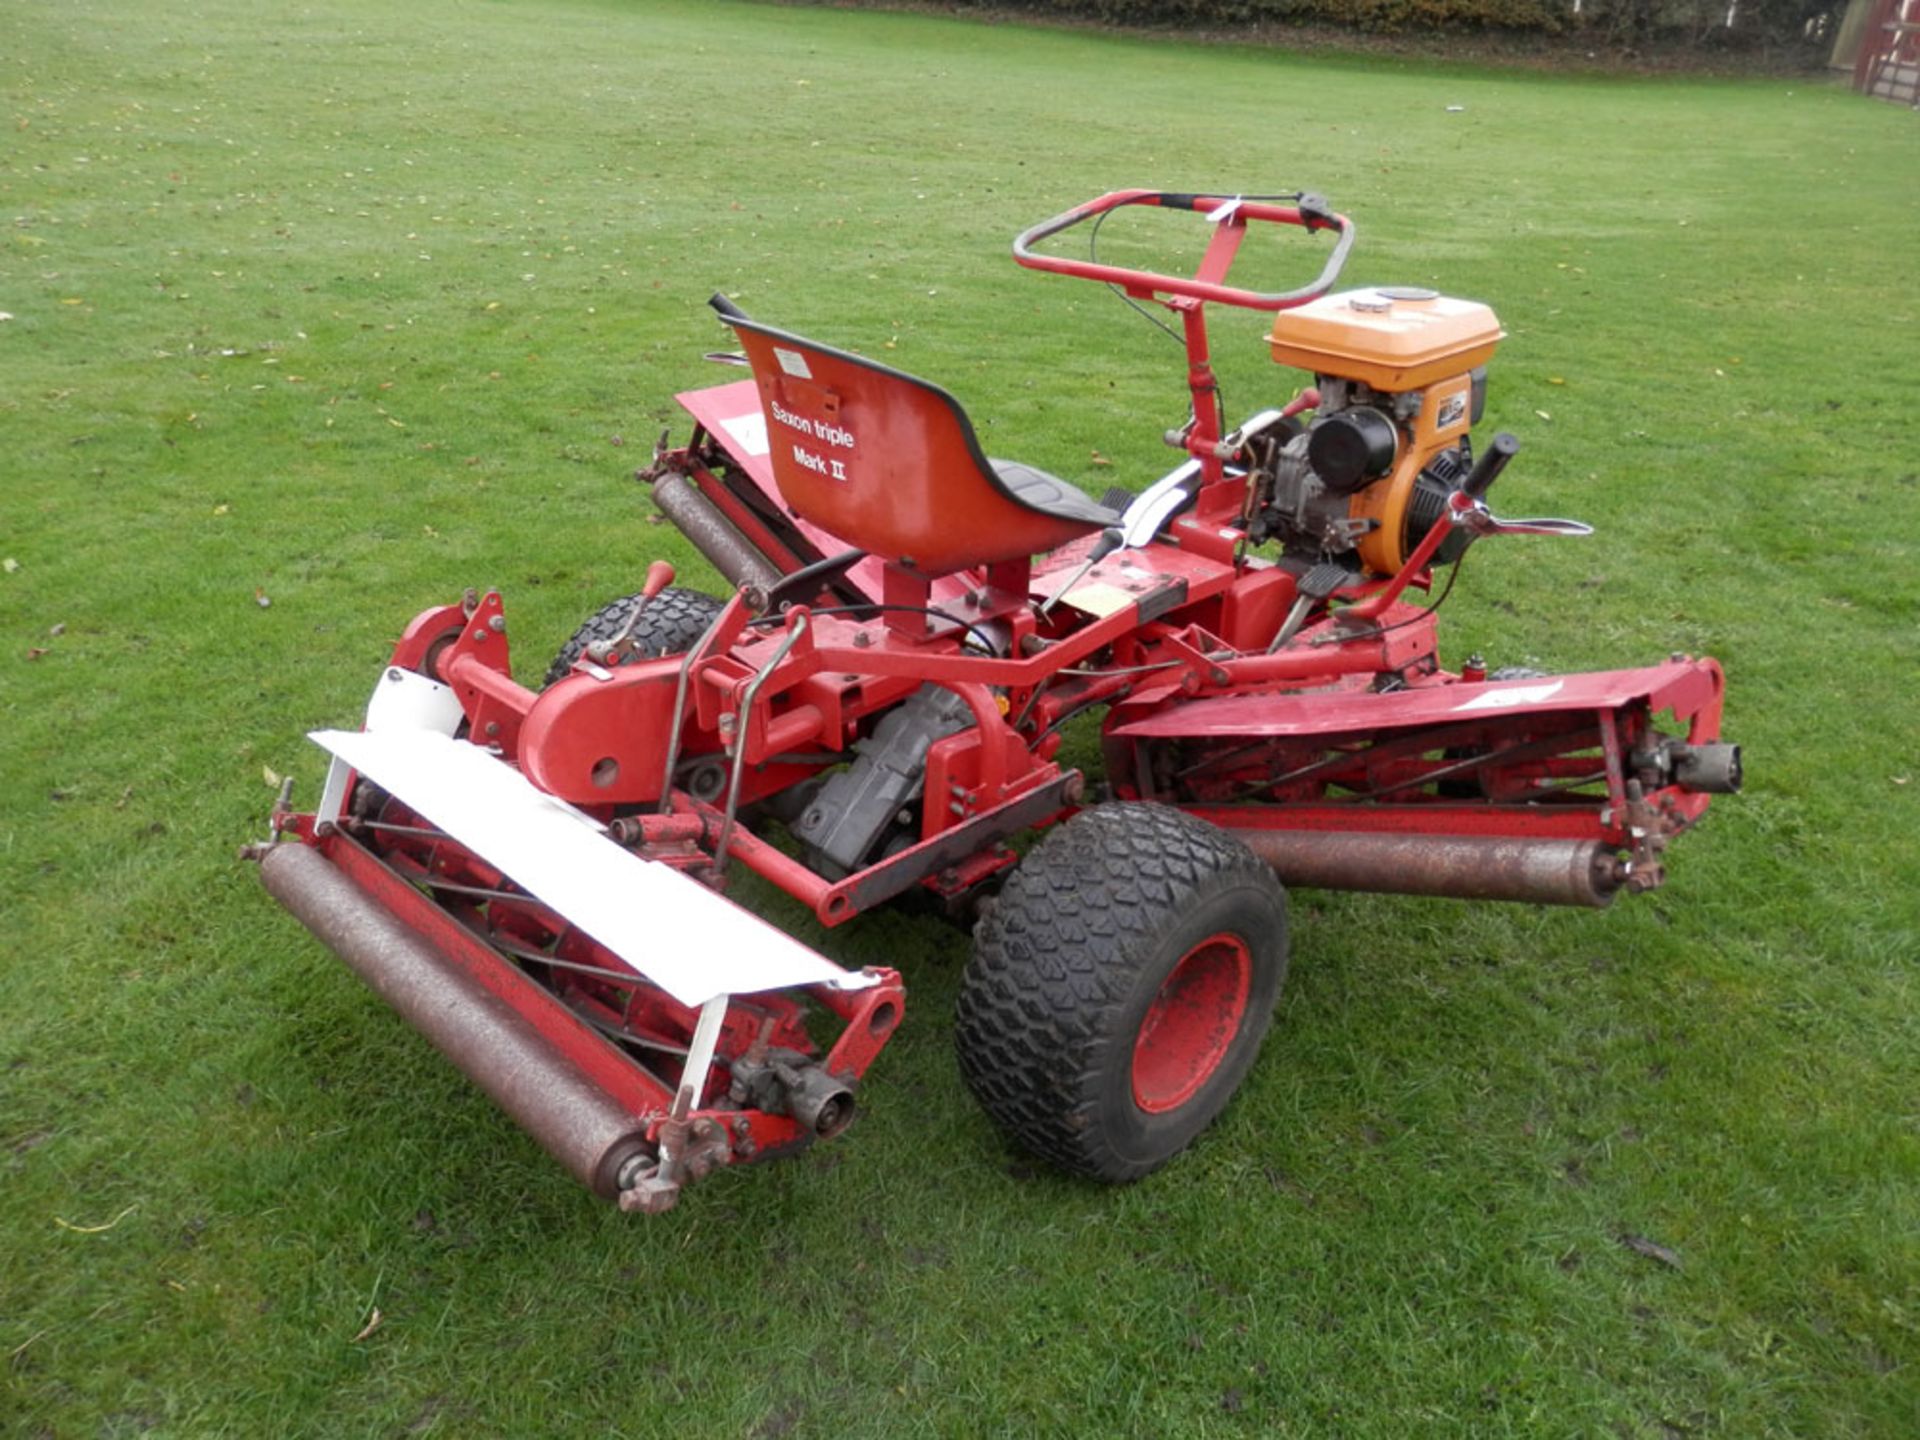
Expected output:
{"points": [[1466, 867], [573, 1119], [712, 534]]}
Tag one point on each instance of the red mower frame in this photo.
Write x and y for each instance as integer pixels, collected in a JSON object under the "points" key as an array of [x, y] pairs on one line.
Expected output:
{"points": [[878, 708]]}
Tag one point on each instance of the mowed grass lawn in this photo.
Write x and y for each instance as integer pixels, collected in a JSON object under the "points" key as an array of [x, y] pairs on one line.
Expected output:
{"points": [[319, 313]]}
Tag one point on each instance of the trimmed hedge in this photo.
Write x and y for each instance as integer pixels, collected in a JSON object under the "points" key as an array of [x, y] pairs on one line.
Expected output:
{"points": [[1703, 24]]}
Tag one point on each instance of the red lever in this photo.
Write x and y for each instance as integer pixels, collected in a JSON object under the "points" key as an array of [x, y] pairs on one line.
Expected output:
{"points": [[659, 576]]}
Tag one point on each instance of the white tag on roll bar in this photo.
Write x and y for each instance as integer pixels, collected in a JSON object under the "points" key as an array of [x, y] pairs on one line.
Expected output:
{"points": [[691, 942]]}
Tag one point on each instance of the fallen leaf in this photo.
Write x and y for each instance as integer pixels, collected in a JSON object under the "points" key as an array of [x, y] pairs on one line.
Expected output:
{"points": [[9, 564], [261, 599], [57, 629], [221, 509], [5, 315], [1556, 380], [1543, 415], [373, 1324], [1901, 779], [1641, 1245], [271, 776], [1096, 458], [36, 652]]}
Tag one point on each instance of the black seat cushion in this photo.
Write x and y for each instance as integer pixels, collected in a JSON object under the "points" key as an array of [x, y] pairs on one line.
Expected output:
{"points": [[1051, 495]]}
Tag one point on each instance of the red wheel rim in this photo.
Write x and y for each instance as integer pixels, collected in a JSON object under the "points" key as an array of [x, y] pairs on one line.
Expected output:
{"points": [[1191, 1024]]}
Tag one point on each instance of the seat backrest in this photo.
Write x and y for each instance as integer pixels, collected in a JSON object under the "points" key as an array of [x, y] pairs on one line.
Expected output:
{"points": [[886, 462]]}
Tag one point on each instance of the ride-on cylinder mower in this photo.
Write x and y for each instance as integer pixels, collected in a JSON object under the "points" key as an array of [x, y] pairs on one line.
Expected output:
{"points": [[533, 877]]}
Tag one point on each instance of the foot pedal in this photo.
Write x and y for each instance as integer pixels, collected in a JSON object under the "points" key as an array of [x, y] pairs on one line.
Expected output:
{"points": [[1323, 579], [1311, 588]]}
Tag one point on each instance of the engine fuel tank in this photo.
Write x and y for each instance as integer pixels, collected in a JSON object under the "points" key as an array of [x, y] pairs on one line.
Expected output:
{"points": [[1394, 338]]}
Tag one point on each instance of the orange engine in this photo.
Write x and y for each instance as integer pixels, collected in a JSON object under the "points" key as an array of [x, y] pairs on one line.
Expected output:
{"points": [[1402, 379]]}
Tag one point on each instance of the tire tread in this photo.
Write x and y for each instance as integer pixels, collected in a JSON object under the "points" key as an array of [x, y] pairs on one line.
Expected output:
{"points": [[1044, 993]]}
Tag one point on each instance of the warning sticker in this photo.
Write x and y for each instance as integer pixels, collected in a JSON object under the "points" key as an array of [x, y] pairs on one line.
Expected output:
{"points": [[793, 362], [1097, 598]]}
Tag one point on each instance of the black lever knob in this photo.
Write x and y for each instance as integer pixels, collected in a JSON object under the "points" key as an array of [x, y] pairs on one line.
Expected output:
{"points": [[1487, 468]]}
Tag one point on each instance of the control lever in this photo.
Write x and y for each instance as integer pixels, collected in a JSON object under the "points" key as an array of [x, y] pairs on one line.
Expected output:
{"points": [[1466, 511], [1487, 468], [1111, 539], [1312, 588], [1477, 520], [614, 651], [1485, 522]]}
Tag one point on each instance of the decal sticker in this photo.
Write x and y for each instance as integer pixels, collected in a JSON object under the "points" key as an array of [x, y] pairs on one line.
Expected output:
{"points": [[749, 432], [1511, 696], [1451, 409], [830, 431], [1098, 598], [793, 362]]}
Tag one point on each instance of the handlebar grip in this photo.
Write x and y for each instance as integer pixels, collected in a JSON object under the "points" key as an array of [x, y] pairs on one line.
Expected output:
{"points": [[1487, 468], [725, 308]]}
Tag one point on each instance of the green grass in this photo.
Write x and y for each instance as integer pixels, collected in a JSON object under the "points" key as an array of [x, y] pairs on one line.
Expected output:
{"points": [[351, 305]]}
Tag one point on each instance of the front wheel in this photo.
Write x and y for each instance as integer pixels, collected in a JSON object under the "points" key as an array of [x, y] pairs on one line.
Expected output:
{"points": [[1120, 987]]}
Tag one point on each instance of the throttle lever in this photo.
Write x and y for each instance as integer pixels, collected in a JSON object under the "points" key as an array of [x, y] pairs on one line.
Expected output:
{"points": [[1485, 522], [1474, 517]]}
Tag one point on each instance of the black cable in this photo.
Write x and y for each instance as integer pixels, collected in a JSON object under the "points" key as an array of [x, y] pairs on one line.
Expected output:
{"points": [[933, 611], [1093, 256], [1445, 591]]}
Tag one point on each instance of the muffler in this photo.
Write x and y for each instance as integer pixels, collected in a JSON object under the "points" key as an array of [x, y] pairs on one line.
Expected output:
{"points": [[1466, 867], [576, 1121]]}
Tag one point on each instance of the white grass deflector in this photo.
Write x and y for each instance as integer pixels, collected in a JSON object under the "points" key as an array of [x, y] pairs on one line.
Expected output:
{"points": [[683, 937]]}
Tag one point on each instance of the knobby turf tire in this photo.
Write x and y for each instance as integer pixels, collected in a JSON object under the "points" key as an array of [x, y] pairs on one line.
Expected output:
{"points": [[1068, 962], [670, 624]]}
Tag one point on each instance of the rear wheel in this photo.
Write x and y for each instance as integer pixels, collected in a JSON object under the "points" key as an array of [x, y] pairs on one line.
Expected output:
{"points": [[673, 620], [1120, 987]]}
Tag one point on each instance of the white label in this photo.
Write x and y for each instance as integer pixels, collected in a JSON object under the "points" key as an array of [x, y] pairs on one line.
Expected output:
{"points": [[793, 362], [1511, 696], [749, 432], [827, 430]]}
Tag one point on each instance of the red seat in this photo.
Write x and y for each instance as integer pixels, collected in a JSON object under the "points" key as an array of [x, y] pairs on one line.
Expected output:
{"points": [[890, 464]]}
